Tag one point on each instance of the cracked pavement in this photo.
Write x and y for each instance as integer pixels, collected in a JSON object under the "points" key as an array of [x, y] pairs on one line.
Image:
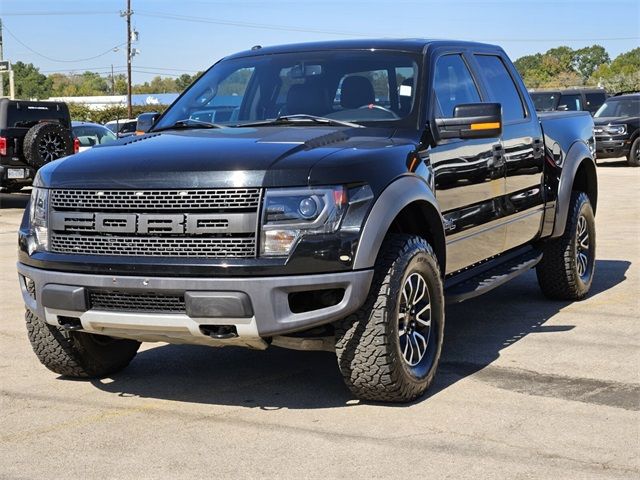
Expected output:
{"points": [[527, 388]]}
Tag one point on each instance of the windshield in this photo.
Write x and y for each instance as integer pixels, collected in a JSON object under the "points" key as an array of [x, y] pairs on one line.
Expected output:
{"points": [[357, 86], [622, 107], [89, 135], [545, 102]]}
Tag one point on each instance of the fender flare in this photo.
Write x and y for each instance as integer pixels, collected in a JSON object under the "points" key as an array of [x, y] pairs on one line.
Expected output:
{"points": [[394, 198], [577, 155]]}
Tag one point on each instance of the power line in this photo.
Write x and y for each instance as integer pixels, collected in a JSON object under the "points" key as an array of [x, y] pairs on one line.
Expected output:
{"points": [[108, 67], [288, 28], [57, 60], [186, 18], [57, 13]]}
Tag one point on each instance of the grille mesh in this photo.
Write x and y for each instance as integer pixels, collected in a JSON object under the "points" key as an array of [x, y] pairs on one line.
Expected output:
{"points": [[210, 247], [240, 198], [136, 302]]}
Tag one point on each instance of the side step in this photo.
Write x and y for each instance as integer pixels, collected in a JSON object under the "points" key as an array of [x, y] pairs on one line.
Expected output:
{"points": [[481, 280]]}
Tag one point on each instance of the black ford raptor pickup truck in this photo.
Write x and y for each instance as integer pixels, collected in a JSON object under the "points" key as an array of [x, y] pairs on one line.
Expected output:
{"points": [[322, 196]]}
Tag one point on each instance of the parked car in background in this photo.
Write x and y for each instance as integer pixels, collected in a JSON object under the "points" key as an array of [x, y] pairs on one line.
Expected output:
{"points": [[91, 134], [123, 127], [617, 128], [31, 135], [571, 99]]}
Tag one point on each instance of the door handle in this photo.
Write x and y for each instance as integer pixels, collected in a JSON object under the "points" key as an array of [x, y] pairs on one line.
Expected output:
{"points": [[498, 156], [538, 148]]}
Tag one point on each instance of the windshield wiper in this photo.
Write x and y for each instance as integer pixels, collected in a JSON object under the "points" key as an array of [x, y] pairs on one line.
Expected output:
{"points": [[188, 123], [300, 118]]}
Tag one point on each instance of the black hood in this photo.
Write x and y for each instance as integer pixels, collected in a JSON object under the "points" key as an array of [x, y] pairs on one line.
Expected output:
{"points": [[614, 120], [213, 158]]}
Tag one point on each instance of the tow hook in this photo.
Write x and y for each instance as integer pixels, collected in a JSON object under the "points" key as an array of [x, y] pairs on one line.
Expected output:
{"points": [[70, 323], [219, 332]]}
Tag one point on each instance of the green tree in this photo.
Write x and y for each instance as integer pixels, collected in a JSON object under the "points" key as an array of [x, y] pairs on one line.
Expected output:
{"points": [[91, 83], [157, 85], [183, 81], [622, 74], [587, 60], [557, 60], [29, 82]]}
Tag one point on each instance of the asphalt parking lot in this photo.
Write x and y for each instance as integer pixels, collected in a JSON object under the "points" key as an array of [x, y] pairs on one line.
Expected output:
{"points": [[527, 388]]}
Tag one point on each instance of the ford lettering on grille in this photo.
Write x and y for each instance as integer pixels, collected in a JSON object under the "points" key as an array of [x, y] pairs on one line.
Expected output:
{"points": [[219, 223], [150, 223]]}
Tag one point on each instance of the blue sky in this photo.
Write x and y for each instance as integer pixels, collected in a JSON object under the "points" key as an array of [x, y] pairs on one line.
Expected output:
{"points": [[179, 36]]}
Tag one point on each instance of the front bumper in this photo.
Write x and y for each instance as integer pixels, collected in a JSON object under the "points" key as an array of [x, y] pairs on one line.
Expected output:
{"points": [[612, 148], [267, 314]]}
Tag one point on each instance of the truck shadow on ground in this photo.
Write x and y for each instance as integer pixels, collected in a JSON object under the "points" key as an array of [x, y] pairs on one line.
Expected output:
{"points": [[476, 332], [614, 163], [14, 200]]}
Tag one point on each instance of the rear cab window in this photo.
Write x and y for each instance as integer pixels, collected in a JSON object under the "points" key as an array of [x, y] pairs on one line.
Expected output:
{"points": [[501, 86], [570, 102], [25, 115]]}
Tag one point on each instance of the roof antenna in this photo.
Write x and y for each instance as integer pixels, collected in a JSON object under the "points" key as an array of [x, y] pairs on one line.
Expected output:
{"points": [[256, 47]]}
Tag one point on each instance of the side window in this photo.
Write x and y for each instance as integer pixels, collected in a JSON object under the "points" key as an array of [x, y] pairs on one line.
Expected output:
{"points": [[453, 84], [570, 103], [594, 101], [501, 87]]}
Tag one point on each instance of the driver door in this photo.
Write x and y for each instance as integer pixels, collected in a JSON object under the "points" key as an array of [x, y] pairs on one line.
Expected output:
{"points": [[469, 174]]}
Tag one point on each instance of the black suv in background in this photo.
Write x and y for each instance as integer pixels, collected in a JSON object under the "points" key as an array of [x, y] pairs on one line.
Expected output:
{"points": [[31, 134], [571, 99], [617, 128]]}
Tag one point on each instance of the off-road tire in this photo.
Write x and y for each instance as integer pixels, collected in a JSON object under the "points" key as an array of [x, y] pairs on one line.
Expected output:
{"points": [[367, 342], [40, 137], [78, 354], [633, 159], [557, 272]]}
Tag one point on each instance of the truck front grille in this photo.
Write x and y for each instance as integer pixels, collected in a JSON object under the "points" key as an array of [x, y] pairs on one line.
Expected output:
{"points": [[164, 223], [153, 200], [136, 302], [153, 246]]}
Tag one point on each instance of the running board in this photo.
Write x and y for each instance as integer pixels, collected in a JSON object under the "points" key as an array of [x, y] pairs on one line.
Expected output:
{"points": [[490, 277]]}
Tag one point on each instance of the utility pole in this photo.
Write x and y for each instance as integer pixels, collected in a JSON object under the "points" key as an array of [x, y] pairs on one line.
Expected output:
{"points": [[128, 14], [113, 82], [1, 58]]}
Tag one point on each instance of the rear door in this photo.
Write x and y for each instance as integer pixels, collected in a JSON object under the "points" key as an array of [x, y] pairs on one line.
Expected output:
{"points": [[523, 202], [469, 180]]}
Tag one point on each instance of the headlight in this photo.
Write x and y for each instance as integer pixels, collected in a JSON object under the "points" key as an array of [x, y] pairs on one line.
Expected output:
{"points": [[38, 221], [615, 129], [291, 213]]}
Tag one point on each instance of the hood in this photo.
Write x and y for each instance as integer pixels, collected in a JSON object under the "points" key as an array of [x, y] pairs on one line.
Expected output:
{"points": [[613, 120], [214, 158]]}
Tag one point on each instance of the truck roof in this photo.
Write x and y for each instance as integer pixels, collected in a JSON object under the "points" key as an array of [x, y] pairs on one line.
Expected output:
{"points": [[407, 45]]}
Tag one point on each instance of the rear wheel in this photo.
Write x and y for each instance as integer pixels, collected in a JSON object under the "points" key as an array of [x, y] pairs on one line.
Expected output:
{"points": [[78, 354], [567, 266], [389, 350], [633, 159]]}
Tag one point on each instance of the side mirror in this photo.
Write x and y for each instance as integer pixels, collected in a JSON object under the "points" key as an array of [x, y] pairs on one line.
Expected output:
{"points": [[472, 120], [145, 122]]}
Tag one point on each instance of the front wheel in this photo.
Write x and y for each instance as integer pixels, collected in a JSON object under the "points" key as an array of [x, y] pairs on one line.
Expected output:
{"points": [[633, 159], [389, 350], [78, 354], [568, 263]]}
